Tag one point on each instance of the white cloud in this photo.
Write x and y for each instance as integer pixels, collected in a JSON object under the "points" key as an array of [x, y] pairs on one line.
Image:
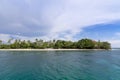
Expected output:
{"points": [[79, 14], [115, 43], [4, 37], [56, 19]]}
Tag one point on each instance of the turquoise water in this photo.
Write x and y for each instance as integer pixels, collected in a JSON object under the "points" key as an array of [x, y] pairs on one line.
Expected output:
{"points": [[60, 65]]}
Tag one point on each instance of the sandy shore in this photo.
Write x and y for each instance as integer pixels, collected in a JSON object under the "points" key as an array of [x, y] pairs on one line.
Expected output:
{"points": [[47, 49]]}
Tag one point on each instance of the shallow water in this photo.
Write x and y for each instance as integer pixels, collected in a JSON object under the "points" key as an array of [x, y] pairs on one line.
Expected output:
{"points": [[60, 65]]}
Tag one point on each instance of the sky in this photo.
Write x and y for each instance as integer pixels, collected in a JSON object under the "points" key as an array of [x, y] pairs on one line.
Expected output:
{"points": [[60, 19]]}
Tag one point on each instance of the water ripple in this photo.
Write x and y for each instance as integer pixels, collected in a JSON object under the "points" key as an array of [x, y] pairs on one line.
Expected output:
{"points": [[60, 65]]}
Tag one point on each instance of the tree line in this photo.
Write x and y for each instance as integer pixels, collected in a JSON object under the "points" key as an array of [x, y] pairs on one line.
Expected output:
{"points": [[54, 44]]}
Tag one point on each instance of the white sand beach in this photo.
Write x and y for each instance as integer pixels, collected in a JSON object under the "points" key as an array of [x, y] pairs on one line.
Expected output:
{"points": [[47, 49]]}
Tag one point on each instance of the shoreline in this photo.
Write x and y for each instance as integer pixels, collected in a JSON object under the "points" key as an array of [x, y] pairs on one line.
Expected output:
{"points": [[49, 49]]}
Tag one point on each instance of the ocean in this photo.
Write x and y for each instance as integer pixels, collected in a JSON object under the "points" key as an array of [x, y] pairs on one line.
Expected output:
{"points": [[60, 65]]}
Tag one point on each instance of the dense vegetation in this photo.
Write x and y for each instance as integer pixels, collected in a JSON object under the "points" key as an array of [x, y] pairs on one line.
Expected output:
{"points": [[55, 44]]}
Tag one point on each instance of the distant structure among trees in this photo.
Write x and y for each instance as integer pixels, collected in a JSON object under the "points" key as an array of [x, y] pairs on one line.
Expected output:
{"points": [[54, 44]]}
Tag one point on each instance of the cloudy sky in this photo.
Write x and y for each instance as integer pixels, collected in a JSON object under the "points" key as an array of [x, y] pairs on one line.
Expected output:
{"points": [[61, 19]]}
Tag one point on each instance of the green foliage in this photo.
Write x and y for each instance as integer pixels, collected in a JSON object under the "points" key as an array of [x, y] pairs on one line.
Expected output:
{"points": [[105, 45], [86, 44], [55, 44]]}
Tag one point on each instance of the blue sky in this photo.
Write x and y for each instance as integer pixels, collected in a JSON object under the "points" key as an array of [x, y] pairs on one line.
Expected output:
{"points": [[61, 19]]}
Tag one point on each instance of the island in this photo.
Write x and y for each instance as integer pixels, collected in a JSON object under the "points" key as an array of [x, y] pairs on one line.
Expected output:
{"points": [[55, 44]]}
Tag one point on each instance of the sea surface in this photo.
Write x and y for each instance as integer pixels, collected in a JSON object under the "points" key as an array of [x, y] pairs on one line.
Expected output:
{"points": [[60, 65]]}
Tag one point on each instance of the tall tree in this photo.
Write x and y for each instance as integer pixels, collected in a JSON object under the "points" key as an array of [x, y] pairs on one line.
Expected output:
{"points": [[85, 44]]}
